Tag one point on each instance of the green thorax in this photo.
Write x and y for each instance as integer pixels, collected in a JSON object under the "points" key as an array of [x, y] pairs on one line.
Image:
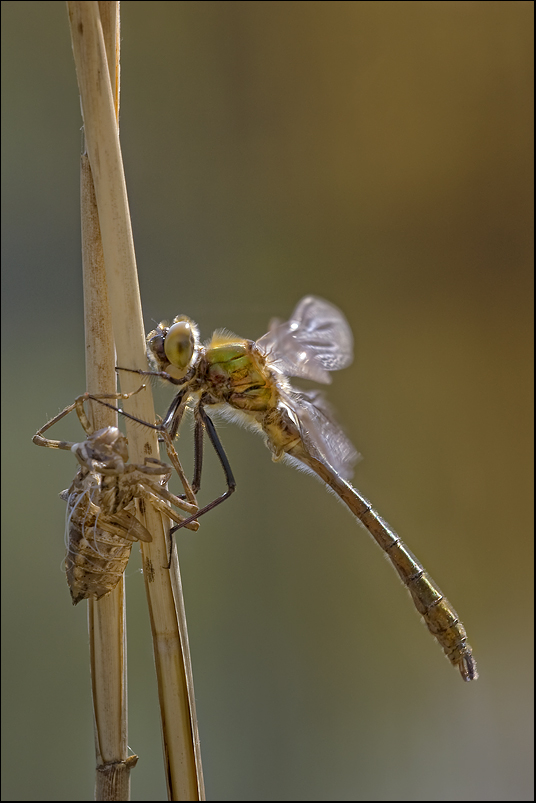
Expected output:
{"points": [[235, 372]]}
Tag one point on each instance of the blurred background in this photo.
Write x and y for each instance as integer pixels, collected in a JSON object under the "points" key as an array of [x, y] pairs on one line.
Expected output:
{"points": [[378, 154]]}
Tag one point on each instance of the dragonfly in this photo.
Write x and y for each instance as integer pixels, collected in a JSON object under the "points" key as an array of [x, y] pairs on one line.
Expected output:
{"points": [[101, 521], [249, 381]]}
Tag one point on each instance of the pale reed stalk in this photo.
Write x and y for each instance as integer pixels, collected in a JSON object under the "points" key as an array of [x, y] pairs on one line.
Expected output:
{"points": [[118, 280]]}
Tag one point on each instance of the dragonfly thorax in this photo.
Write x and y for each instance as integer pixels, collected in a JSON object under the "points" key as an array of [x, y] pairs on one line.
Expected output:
{"points": [[235, 372]]}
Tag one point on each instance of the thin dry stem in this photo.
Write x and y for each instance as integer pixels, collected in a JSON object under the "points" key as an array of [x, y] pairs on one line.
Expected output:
{"points": [[181, 743], [106, 618]]}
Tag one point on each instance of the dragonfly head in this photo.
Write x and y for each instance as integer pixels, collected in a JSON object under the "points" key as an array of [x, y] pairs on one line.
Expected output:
{"points": [[175, 349]]}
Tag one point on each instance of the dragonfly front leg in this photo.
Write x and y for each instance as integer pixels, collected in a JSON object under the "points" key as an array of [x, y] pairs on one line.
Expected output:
{"points": [[173, 416]]}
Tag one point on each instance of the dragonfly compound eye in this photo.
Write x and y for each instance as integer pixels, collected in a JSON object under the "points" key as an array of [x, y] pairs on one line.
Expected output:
{"points": [[181, 343]]}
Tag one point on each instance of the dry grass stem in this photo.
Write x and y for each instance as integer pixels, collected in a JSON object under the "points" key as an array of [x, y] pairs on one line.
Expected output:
{"points": [[106, 617], [181, 744]]}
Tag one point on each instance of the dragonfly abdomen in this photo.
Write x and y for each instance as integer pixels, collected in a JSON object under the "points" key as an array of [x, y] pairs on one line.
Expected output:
{"points": [[439, 615]]}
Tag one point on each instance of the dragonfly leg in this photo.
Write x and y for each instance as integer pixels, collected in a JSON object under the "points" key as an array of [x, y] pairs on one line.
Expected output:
{"points": [[198, 453], [206, 423], [173, 417], [162, 374], [176, 463]]}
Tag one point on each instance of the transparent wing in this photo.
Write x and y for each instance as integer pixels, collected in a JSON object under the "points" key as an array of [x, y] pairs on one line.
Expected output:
{"points": [[321, 434], [315, 340]]}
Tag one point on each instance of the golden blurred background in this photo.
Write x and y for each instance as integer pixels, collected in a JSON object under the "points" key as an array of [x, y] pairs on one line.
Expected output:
{"points": [[378, 154]]}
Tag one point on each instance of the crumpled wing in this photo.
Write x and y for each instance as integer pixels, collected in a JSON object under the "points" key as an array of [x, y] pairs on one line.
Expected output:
{"points": [[320, 433], [315, 340]]}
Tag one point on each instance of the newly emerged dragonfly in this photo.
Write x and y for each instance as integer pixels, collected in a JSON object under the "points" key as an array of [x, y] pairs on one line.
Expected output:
{"points": [[250, 381], [101, 517]]}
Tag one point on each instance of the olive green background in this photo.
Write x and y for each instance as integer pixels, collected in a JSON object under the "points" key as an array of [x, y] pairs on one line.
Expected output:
{"points": [[375, 153]]}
